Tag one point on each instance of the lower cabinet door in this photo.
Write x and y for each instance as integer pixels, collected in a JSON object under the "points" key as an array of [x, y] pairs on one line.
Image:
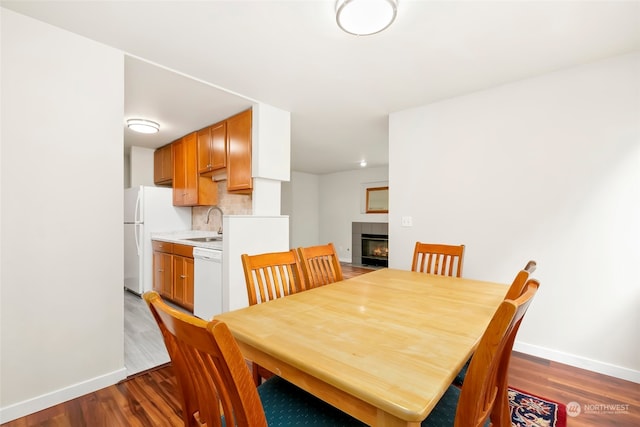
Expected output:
{"points": [[163, 274], [183, 281]]}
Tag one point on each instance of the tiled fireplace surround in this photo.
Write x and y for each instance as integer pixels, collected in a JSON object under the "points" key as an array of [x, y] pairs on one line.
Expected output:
{"points": [[360, 228]]}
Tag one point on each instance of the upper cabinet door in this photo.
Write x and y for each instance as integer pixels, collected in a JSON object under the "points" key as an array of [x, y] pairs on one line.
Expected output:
{"points": [[212, 148], [204, 150], [163, 166], [179, 172], [185, 173], [218, 144], [239, 153]]}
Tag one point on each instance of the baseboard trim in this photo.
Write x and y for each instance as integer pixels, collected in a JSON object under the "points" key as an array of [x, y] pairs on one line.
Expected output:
{"points": [[21, 409], [578, 362]]}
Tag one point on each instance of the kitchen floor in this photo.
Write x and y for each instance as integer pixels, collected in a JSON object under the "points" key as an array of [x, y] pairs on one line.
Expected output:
{"points": [[143, 345]]}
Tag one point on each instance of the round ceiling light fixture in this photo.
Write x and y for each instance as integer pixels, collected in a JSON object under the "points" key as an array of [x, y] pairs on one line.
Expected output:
{"points": [[143, 126], [365, 17]]}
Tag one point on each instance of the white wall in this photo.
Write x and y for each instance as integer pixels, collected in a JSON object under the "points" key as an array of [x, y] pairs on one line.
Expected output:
{"points": [[270, 157], [61, 216], [141, 166], [342, 202], [547, 169], [127, 170], [272, 147], [301, 201], [251, 234]]}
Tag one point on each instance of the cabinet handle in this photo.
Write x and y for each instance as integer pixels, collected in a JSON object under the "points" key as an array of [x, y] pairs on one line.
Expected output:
{"points": [[182, 276], [160, 271]]}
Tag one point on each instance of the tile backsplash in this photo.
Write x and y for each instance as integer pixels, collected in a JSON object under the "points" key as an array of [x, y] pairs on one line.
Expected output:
{"points": [[231, 204]]}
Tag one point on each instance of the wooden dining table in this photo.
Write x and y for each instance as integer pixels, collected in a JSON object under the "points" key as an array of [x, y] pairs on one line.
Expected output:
{"points": [[383, 346]]}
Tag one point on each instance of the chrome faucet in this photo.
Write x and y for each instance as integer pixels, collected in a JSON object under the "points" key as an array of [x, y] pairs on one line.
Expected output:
{"points": [[221, 214]]}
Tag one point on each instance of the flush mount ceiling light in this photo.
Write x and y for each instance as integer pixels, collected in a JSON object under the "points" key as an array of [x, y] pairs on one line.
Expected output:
{"points": [[365, 17], [143, 126], [363, 163]]}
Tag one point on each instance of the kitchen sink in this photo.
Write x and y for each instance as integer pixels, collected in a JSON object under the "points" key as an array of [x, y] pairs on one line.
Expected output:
{"points": [[205, 239]]}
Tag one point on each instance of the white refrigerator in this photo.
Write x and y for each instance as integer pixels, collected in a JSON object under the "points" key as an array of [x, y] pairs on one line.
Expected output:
{"points": [[147, 210]]}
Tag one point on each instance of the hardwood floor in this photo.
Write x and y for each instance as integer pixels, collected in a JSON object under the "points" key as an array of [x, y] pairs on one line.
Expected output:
{"points": [[604, 401], [151, 398], [349, 271]]}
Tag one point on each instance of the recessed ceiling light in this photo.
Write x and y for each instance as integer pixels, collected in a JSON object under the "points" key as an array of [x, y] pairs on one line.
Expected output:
{"points": [[143, 126], [363, 163], [365, 17]]}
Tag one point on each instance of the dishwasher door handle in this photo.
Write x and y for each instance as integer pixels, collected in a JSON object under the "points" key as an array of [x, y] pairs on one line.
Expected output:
{"points": [[207, 254], [210, 258]]}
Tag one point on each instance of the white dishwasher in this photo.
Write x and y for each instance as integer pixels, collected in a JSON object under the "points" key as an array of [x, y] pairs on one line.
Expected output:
{"points": [[207, 284]]}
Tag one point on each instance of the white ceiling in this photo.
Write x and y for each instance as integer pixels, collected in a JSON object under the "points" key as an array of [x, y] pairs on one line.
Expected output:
{"points": [[339, 88]]}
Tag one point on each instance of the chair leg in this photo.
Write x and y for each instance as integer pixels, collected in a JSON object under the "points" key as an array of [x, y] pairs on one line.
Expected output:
{"points": [[255, 371]]}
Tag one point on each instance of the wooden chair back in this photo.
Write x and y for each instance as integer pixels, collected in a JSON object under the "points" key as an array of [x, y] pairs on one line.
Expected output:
{"points": [[272, 275], [444, 260], [212, 374], [531, 266], [501, 413], [518, 284], [481, 389], [320, 265], [515, 290]]}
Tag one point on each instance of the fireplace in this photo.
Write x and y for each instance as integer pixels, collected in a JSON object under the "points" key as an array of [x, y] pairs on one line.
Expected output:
{"points": [[370, 243], [375, 249]]}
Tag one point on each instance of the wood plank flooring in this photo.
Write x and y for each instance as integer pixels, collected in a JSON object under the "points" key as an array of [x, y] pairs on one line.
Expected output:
{"points": [[604, 400], [143, 345], [151, 399]]}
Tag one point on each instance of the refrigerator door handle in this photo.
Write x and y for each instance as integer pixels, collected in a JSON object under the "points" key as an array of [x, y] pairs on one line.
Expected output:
{"points": [[138, 221], [138, 236], [137, 218]]}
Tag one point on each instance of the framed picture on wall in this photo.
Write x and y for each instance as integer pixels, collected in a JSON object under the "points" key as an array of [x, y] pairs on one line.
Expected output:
{"points": [[377, 200]]}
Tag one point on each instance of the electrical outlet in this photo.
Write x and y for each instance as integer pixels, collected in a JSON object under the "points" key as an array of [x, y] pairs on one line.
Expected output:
{"points": [[407, 221]]}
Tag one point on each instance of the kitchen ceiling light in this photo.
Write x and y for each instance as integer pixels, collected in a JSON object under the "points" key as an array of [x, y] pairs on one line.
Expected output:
{"points": [[143, 126], [365, 17], [363, 163]]}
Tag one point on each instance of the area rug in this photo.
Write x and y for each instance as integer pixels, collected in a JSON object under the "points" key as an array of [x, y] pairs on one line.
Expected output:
{"points": [[528, 410]]}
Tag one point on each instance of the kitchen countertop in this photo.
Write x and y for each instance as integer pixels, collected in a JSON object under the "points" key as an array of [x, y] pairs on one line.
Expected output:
{"points": [[182, 236]]}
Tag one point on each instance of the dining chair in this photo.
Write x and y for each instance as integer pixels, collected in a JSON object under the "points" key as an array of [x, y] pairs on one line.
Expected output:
{"points": [[269, 276], [215, 383], [320, 265], [433, 258], [501, 409], [515, 290], [481, 396], [517, 286], [272, 275]]}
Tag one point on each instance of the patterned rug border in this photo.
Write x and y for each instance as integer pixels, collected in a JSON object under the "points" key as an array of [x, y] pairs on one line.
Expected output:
{"points": [[561, 420]]}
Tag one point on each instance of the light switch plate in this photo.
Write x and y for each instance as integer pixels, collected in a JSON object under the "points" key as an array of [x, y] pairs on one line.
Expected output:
{"points": [[407, 221]]}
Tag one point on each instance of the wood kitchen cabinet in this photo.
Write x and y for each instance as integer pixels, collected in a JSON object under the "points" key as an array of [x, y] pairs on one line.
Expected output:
{"points": [[189, 188], [183, 281], [239, 153], [173, 272], [212, 148], [162, 269], [163, 165]]}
